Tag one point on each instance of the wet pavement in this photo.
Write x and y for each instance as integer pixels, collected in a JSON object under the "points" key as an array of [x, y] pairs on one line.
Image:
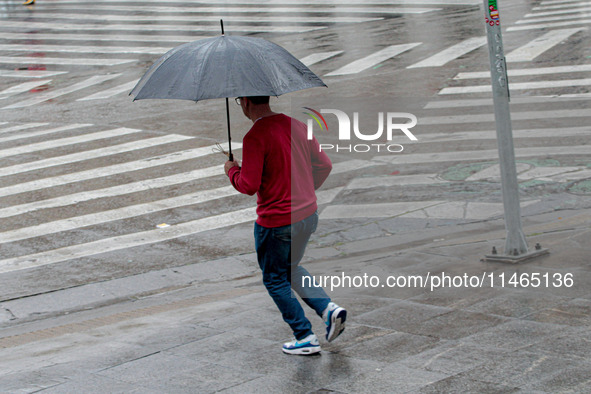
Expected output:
{"points": [[211, 326], [126, 261]]}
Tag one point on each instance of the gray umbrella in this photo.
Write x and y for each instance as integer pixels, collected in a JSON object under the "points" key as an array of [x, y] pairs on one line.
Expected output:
{"points": [[222, 67]]}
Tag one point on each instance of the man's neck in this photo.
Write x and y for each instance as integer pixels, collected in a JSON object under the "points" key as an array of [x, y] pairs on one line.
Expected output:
{"points": [[261, 111]]}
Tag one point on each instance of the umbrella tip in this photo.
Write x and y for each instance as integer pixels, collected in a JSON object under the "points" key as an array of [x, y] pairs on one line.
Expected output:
{"points": [[222, 24]]}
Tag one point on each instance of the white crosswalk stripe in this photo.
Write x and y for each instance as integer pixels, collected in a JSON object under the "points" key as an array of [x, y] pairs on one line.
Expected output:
{"points": [[318, 57], [541, 44], [576, 95], [550, 2], [529, 71], [514, 100], [60, 92], [105, 94], [548, 25], [490, 134], [23, 87], [373, 59], [38, 133], [61, 142], [582, 15], [451, 53], [25, 126], [548, 5], [559, 12], [490, 117], [29, 73], [519, 86]]}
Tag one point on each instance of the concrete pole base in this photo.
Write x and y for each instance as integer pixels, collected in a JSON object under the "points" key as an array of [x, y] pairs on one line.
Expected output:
{"points": [[500, 258]]}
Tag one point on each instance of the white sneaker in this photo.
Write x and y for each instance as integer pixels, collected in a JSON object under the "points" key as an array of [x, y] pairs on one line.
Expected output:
{"points": [[334, 318], [304, 347]]}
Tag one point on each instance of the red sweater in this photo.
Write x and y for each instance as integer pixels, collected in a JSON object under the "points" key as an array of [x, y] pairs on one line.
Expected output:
{"points": [[283, 167]]}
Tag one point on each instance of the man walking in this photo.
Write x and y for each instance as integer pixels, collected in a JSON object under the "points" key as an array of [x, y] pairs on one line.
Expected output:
{"points": [[284, 169]]}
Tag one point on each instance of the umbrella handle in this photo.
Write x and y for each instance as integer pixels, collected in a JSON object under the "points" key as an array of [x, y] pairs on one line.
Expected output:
{"points": [[230, 156]]}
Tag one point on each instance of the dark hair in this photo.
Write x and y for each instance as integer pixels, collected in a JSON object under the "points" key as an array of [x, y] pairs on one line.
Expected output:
{"points": [[257, 100]]}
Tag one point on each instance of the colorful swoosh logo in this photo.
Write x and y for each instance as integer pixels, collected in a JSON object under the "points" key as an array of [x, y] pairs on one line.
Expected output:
{"points": [[315, 115]]}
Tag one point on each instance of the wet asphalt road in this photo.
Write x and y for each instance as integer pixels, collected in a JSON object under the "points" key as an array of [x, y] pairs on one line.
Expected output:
{"points": [[73, 240]]}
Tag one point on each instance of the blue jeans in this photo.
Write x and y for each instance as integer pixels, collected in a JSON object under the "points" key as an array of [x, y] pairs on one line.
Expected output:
{"points": [[279, 252]]}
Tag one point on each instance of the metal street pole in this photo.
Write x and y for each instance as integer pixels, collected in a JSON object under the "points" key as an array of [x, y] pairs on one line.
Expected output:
{"points": [[515, 244]]}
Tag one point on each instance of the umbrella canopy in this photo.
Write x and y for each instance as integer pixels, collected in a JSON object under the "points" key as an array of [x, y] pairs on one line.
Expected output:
{"points": [[225, 66]]}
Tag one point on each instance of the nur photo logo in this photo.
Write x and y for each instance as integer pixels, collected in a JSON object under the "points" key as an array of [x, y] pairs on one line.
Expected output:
{"points": [[349, 131]]}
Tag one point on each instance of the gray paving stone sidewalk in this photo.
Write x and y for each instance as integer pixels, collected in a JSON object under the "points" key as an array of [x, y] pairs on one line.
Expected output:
{"points": [[224, 334]]}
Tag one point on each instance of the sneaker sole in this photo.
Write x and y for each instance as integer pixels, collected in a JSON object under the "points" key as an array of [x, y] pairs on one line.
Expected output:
{"points": [[337, 326], [304, 351]]}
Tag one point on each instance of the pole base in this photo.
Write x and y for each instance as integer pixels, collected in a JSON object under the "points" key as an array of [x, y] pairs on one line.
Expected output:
{"points": [[500, 258]]}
